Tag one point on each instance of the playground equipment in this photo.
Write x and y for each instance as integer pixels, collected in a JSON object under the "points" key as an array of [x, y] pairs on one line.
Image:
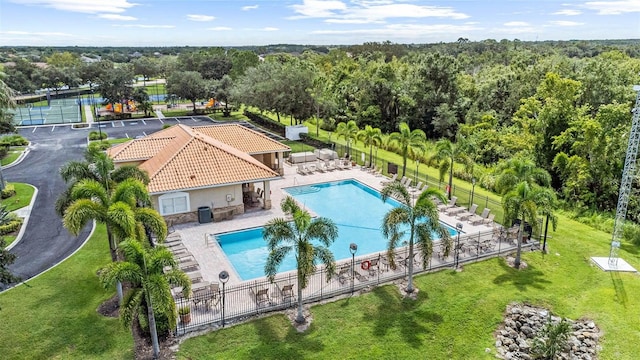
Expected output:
{"points": [[212, 103], [117, 108]]}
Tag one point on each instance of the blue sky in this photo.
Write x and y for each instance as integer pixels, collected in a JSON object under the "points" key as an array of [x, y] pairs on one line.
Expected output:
{"points": [[321, 22]]}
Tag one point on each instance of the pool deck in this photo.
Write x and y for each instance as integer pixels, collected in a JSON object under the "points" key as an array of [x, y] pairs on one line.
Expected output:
{"points": [[212, 260]]}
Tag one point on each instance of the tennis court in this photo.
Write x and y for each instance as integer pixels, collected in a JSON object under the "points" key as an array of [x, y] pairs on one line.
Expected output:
{"points": [[61, 111]]}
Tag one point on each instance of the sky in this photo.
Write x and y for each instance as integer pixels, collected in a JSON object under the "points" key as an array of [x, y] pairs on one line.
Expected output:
{"points": [[308, 22]]}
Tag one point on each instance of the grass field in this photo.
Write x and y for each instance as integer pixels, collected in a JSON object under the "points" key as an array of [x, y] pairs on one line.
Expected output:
{"points": [[22, 198], [54, 315], [12, 155], [455, 314]]}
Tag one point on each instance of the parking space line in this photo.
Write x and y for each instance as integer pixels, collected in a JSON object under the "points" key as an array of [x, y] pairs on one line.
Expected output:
{"points": [[127, 135], [34, 129], [178, 120], [144, 133], [161, 122], [122, 123], [53, 128], [144, 122]]}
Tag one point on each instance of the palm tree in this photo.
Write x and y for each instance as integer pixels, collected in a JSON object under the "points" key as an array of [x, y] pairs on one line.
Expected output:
{"points": [[349, 131], [408, 141], [418, 221], [118, 210], [446, 153], [370, 137], [516, 178], [284, 236], [96, 166], [524, 202], [6, 102], [150, 292]]}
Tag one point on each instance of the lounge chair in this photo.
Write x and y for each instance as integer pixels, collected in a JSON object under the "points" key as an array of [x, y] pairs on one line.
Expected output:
{"points": [[489, 220], [330, 165], [393, 178], [478, 219], [453, 211], [321, 166], [262, 296], [405, 181], [374, 266], [466, 214], [311, 168], [344, 274], [450, 204], [417, 187], [301, 170]]}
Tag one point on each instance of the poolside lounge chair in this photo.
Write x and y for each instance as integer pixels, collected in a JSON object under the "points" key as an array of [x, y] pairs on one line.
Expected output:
{"points": [[417, 187], [393, 178], [478, 219], [489, 220], [301, 170], [320, 166], [450, 204], [405, 181], [344, 274], [374, 266], [466, 214], [262, 296], [330, 165]]}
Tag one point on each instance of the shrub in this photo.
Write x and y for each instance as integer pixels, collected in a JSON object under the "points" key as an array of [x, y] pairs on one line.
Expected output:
{"points": [[95, 135], [9, 191], [14, 140], [166, 126], [184, 310], [10, 227], [631, 232], [551, 340]]}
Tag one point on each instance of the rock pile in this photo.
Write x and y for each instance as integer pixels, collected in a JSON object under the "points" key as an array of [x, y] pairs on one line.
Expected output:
{"points": [[523, 323]]}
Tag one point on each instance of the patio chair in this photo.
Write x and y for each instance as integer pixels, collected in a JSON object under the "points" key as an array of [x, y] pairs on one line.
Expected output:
{"points": [[478, 219], [466, 214], [448, 205], [344, 274], [320, 166], [331, 165], [417, 187], [489, 220], [453, 211], [286, 292], [374, 266], [301, 170], [262, 296]]}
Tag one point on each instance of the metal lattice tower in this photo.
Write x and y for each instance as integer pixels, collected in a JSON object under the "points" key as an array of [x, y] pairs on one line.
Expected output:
{"points": [[628, 174]]}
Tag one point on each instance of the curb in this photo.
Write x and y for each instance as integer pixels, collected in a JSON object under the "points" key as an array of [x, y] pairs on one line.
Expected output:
{"points": [[26, 218], [20, 158]]}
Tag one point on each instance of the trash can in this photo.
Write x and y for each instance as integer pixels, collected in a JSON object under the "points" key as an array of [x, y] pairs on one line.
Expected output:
{"points": [[204, 214]]}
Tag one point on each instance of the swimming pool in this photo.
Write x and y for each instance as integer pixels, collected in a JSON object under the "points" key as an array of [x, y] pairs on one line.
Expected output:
{"points": [[355, 208]]}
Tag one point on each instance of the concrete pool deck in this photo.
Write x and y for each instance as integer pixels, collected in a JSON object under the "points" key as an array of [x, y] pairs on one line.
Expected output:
{"points": [[212, 260]]}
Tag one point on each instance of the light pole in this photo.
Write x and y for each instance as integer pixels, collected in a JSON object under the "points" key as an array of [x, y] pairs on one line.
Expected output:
{"points": [[459, 228], [473, 189], [415, 180], [353, 248], [224, 277]]}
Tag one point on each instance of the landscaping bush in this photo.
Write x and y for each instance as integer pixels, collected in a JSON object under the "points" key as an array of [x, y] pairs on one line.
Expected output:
{"points": [[9, 191], [4, 151], [14, 140], [95, 135], [266, 122], [10, 227], [166, 126], [631, 233]]}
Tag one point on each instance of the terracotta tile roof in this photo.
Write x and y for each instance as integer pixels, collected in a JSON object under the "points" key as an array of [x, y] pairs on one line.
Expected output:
{"points": [[139, 149], [190, 159], [242, 138]]}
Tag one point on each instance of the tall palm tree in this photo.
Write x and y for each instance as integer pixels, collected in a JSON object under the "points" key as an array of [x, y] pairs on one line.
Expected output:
{"points": [[6, 102], [118, 210], [370, 137], [419, 221], [409, 141], [150, 292], [96, 166], [348, 131], [284, 236], [524, 202], [517, 177], [446, 153]]}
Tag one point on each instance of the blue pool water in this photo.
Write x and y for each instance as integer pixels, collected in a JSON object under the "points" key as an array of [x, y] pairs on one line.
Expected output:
{"points": [[355, 208]]}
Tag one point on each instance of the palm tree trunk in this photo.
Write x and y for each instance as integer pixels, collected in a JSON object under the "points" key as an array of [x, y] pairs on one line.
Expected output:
{"points": [[404, 164], [152, 330], [371, 156], [114, 258], [450, 179], [410, 267], [300, 317], [516, 263]]}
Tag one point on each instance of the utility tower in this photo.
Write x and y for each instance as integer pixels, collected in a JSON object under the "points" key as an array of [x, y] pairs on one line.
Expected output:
{"points": [[628, 174]]}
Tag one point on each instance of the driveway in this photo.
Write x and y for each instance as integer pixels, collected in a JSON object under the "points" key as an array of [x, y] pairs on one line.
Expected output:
{"points": [[45, 241]]}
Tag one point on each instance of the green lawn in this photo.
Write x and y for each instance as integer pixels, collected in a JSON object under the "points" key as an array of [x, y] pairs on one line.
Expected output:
{"points": [[297, 146], [54, 315], [8, 239], [12, 155], [455, 314], [22, 198]]}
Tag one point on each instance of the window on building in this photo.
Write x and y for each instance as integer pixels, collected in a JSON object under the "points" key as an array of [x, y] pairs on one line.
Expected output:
{"points": [[174, 203]]}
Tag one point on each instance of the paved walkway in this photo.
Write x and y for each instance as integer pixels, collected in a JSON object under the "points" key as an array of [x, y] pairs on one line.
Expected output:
{"points": [[88, 114]]}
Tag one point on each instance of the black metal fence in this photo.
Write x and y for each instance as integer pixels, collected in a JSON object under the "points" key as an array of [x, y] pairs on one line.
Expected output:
{"points": [[219, 304]]}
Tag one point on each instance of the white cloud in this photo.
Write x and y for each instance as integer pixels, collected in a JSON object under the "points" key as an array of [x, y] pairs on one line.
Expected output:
{"points": [[359, 12], [567, 12], [516, 24], [26, 33], [565, 23], [220, 28], [249, 7], [268, 28], [512, 30], [117, 17], [404, 30], [142, 26], [613, 7], [201, 17], [82, 6]]}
